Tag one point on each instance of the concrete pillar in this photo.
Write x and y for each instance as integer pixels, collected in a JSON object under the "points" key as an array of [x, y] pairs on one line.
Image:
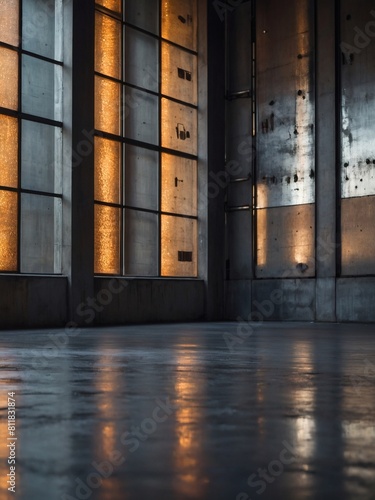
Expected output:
{"points": [[326, 200], [78, 179]]}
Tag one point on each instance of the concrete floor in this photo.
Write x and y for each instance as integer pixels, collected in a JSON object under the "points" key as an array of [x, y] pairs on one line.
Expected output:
{"points": [[191, 411]]}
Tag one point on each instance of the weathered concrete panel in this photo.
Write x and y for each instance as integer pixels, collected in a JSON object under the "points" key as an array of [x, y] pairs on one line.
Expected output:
{"points": [[357, 233], [356, 299], [238, 299], [283, 300], [148, 300], [358, 98], [326, 299], [285, 103], [286, 242], [33, 302]]}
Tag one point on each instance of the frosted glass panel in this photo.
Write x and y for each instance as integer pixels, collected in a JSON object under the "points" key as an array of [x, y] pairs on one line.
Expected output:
{"points": [[8, 151], [179, 246], [141, 116], [179, 127], [143, 14], [141, 60], [8, 78], [9, 22], [41, 230], [179, 185], [107, 240], [141, 177], [114, 5], [107, 170], [8, 231], [179, 23], [107, 46], [41, 164], [179, 70], [41, 88], [107, 105], [141, 237], [42, 27]]}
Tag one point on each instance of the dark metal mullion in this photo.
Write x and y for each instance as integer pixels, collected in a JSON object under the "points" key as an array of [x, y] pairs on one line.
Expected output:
{"points": [[42, 58], [122, 179], [178, 46], [254, 119], [19, 206], [338, 99], [39, 119], [160, 145]]}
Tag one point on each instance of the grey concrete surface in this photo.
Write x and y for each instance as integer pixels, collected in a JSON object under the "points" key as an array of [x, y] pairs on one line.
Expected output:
{"points": [[191, 411]]}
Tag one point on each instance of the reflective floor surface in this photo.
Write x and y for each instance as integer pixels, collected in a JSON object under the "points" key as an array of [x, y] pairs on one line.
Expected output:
{"points": [[191, 411]]}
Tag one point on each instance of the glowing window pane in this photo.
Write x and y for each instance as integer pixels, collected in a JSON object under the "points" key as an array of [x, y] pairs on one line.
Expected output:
{"points": [[107, 240], [179, 22], [179, 246], [8, 231], [8, 151], [179, 185], [107, 105], [179, 127], [8, 78], [179, 70], [9, 22], [107, 170], [107, 46], [141, 237], [114, 5]]}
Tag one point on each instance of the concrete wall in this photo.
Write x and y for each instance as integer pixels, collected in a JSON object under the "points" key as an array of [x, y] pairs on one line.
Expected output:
{"points": [[325, 220]]}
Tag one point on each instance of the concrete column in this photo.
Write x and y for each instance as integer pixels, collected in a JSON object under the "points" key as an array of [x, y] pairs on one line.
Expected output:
{"points": [[78, 235], [326, 202]]}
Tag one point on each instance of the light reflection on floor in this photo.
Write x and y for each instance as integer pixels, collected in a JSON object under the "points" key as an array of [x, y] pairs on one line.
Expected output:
{"points": [[169, 412]]}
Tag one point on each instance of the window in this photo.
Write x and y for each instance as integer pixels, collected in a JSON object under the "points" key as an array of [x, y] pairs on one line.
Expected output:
{"points": [[30, 136], [146, 106]]}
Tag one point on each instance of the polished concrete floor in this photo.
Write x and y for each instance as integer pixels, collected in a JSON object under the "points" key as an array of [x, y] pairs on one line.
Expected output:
{"points": [[191, 411]]}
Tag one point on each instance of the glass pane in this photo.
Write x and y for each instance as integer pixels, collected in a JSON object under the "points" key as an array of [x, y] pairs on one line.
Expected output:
{"points": [[41, 88], [107, 170], [179, 246], [41, 164], [179, 127], [107, 105], [179, 185], [8, 78], [141, 116], [141, 60], [107, 240], [179, 23], [114, 5], [9, 22], [8, 231], [141, 237], [141, 178], [41, 231], [143, 14], [42, 27], [107, 46], [179, 70], [8, 151]]}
